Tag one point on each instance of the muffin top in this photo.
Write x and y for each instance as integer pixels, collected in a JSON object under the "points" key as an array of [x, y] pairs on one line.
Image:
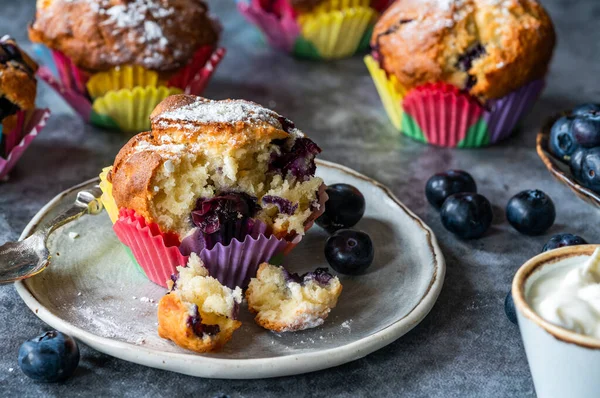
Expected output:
{"points": [[486, 47], [202, 154], [97, 35], [305, 4]]}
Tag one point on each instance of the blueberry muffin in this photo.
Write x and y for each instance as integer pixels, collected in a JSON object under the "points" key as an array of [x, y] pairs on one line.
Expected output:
{"points": [[97, 35], [17, 82], [219, 167], [198, 313], [489, 48], [287, 302]]}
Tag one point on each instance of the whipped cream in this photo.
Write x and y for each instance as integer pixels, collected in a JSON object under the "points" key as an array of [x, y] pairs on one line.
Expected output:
{"points": [[567, 294]]}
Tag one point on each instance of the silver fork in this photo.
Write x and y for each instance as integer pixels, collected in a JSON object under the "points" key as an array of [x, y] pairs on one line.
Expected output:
{"points": [[23, 259]]}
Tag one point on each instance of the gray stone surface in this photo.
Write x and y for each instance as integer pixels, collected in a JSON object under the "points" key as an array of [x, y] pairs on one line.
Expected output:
{"points": [[465, 347]]}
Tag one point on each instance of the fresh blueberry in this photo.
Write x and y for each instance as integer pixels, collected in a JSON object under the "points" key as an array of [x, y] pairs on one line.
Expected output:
{"points": [[562, 240], [467, 215], [442, 185], [509, 308], [349, 252], [586, 130], [576, 162], [562, 142], [345, 208], [586, 109], [589, 173], [50, 357], [531, 212]]}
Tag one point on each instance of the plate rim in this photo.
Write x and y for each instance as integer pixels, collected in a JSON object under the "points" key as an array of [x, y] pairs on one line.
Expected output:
{"points": [[250, 368]]}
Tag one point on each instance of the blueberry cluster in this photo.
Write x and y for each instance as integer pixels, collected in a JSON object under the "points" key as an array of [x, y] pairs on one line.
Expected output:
{"points": [[575, 139], [468, 214], [347, 251]]}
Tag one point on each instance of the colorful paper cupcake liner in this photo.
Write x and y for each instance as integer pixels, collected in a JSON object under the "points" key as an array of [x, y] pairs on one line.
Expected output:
{"points": [[157, 253], [130, 109], [28, 125], [334, 29], [124, 97], [441, 114], [234, 264]]}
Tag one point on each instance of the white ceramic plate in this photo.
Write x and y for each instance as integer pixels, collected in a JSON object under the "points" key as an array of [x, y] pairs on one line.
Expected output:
{"points": [[94, 292]]}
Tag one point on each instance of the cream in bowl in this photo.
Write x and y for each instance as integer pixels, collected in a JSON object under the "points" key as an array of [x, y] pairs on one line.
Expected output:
{"points": [[557, 297], [568, 294]]}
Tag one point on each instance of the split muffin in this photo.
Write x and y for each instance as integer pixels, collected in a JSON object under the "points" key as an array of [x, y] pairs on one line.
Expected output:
{"points": [[229, 180]]}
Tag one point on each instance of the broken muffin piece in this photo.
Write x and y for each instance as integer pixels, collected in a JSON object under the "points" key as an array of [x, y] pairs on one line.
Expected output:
{"points": [[286, 302], [198, 313]]}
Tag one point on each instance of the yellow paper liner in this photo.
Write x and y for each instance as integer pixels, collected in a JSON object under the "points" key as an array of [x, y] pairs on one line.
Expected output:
{"points": [[131, 109], [107, 199], [337, 27], [390, 90], [121, 77]]}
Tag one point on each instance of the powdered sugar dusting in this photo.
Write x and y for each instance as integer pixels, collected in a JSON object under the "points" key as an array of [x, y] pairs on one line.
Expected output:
{"points": [[207, 111]]}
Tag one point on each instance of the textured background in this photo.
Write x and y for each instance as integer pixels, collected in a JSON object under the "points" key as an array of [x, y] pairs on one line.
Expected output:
{"points": [[465, 347]]}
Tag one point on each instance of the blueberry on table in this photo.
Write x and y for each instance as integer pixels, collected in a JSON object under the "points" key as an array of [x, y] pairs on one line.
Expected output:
{"points": [[349, 252], [586, 109], [562, 141], [50, 357], [442, 185], [563, 240], [467, 215], [585, 166], [344, 208], [531, 212], [509, 308]]}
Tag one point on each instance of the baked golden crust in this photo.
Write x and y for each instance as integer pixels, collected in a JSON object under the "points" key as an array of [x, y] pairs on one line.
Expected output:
{"points": [[97, 35], [173, 325], [489, 48]]}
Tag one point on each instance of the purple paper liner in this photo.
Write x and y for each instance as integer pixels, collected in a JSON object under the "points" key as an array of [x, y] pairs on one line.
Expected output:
{"points": [[235, 264], [30, 130], [504, 113], [281, 33]]}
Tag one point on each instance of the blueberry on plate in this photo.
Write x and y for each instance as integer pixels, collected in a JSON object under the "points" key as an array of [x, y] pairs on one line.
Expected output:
{"points": [[349, 252], [585, 166], [563, 240], [586, 109], [531, 212], [562, 141], [509, 308], [467, 215], [442, 185], [50, 357], [344, 209]]}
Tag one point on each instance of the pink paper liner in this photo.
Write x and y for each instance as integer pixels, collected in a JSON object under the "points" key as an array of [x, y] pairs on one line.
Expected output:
{"points": [[80, 103], [443, 112], [29, 125], [192, 79], [280, 31], [156, 252]]}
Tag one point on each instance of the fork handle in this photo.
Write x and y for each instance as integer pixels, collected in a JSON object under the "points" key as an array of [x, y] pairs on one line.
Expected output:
{"points": [[87, 202]]}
